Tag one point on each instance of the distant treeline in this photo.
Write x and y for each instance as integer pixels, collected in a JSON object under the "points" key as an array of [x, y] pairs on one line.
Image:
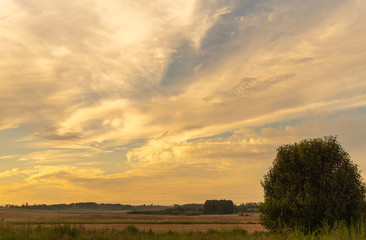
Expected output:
{"points": [[212, 207], [249, 207], [186, 209], [87, 206]]}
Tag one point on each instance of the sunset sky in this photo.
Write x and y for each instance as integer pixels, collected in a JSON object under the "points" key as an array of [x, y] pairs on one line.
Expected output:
{"points": [[140, 101]]}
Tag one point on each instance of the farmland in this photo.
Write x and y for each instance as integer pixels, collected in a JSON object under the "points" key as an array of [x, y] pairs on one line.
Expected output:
{"points": [[37, 224], [120, 220]]}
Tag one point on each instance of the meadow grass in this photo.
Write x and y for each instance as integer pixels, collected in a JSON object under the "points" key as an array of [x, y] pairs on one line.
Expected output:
{"points": [[49, 225], [66, 231]]}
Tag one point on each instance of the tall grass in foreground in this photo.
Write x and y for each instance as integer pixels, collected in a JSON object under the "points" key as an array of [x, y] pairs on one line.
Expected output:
{"points": [[65, 232]]}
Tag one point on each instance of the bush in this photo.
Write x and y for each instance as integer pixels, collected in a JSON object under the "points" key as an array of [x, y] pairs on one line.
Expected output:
{"points": [[310, 183]]}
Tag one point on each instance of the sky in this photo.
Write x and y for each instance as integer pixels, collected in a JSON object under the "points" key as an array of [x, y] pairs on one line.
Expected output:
{"points": [[172, 102]]}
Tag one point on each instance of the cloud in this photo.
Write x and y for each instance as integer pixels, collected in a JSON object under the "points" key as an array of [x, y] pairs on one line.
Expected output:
{"points": [[146, 85], [9, 173], [58, 155], [166, 168], [63, 137], [84, 70]]}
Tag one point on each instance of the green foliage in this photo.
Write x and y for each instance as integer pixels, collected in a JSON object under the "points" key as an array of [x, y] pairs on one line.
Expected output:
{"points": [[311, 182], [218, 207], [249, 207]]}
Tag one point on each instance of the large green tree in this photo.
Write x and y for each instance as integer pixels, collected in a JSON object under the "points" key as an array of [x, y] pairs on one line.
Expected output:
{"points": [[312, 182]]}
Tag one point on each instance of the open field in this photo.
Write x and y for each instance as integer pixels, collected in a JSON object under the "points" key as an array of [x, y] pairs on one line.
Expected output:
{"points": [[26, 224], [120, 221]]}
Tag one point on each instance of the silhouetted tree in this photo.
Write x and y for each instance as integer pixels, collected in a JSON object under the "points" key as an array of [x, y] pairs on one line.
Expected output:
{"points": [[311, 182]]}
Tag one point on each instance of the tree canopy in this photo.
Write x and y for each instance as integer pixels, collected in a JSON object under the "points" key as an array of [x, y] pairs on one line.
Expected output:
{"points": [[218, 207], [311, 182]]}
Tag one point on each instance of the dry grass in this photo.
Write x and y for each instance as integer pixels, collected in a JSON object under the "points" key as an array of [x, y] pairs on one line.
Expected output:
{"points": [[179, 228], [119, 221]]}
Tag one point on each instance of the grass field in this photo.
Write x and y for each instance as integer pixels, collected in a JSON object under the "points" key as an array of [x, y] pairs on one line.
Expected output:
{"points": [[32, 224], [120, 221]]}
